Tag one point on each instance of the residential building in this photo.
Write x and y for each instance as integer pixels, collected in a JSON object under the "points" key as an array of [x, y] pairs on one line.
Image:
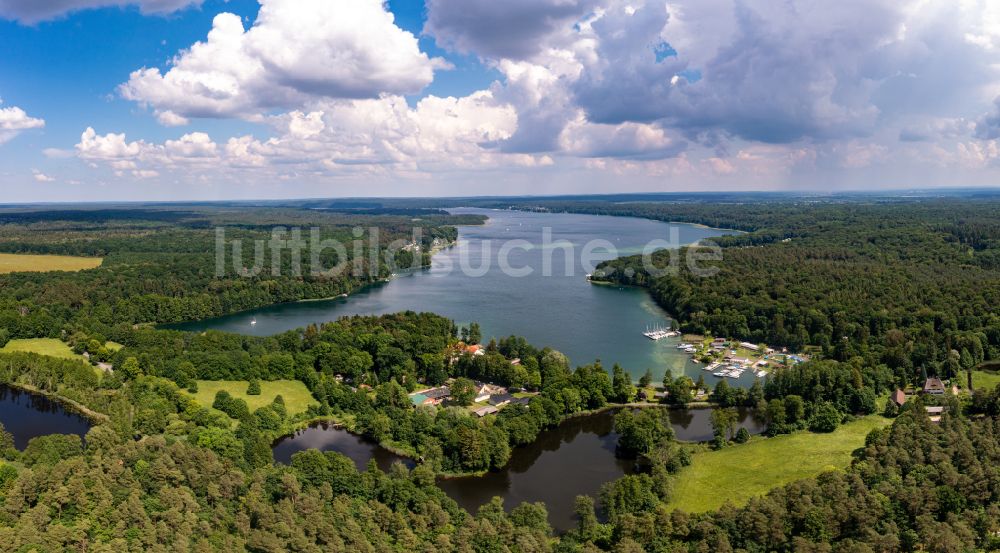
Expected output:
{"points": [[500, 400], [898, 397], [484, 391], [934, 386], [483, 411]]}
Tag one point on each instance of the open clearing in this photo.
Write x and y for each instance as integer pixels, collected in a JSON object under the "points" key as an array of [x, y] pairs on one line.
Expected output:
{"points": [[42, 346], [738, 473], [47, 346], [296, 395], [985, 380], [16, 262]]}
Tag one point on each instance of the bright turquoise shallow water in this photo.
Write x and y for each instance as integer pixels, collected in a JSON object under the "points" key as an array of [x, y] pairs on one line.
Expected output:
{"points": [[564, 311]]}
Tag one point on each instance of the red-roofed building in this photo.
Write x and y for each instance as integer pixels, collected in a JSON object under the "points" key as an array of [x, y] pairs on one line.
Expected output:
{"points": [[898, 397], [475, 349]]}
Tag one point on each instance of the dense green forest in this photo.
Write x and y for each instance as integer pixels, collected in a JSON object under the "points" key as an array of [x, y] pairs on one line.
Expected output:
{"points": [[160, 264], [909, 285], [135, 485], [888, 292]]}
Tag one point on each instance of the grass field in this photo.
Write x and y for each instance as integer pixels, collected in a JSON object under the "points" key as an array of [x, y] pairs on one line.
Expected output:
{"points": [[42, 346], [985, 380], [738, 473], [47, 346], [296, 395], [15, 262]]}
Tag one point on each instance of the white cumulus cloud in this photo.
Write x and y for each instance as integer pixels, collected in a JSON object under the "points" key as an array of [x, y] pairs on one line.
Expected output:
{"points": [[379, 135], [297, 51], [40, 176], [14, 120]]}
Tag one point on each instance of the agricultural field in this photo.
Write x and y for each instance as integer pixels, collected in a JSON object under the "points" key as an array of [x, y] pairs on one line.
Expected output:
{"points": [[15, 263], [297, 397], [736, 474]]}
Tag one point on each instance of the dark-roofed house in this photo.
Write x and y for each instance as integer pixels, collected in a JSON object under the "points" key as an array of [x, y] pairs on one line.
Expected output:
{"points": [[438, 393], [934, 386], [500, 400], [433, 396], [898, 397], [485, 390]]}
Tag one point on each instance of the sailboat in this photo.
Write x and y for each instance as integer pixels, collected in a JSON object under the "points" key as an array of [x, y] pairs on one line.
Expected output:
{"points": [[656, 333], [253, 321]]}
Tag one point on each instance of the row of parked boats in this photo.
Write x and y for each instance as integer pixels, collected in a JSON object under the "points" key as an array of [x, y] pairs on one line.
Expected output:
{"points": [[733, 371], [659, 333], [728, 369]]}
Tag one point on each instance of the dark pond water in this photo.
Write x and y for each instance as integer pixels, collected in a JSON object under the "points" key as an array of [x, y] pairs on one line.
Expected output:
{"points": [[328, 437], [27, 415], [576, 458], [562, 310]]}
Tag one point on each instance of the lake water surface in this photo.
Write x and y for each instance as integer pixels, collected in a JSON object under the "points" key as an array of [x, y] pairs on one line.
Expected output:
{"points": [[27, 415], [583, 320], [575, 458]]}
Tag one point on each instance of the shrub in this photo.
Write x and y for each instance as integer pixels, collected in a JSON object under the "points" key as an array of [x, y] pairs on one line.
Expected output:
{"points": [[742, 436], [825, 418]]}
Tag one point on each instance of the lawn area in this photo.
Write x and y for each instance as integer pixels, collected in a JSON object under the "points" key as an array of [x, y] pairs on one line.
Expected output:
{"points": [[738, 473], [985, 380], [46, 346], [16, 262], [296, 395], [42, 346]]}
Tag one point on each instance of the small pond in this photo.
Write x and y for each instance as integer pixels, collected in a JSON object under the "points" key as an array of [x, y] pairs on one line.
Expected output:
{"points": [[26, 416], [329, 437]]}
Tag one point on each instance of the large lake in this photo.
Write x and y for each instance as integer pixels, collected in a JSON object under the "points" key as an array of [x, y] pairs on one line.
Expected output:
{"points": [[575, 458], [583, 320]]}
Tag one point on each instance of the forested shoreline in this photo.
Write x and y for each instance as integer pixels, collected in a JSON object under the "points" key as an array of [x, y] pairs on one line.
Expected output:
{"points": [[166, 473], [907, 285], [160, 264]]}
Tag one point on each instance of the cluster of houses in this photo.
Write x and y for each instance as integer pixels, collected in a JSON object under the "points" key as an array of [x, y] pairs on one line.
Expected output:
{"points": [[933, 386], [496, 396]]}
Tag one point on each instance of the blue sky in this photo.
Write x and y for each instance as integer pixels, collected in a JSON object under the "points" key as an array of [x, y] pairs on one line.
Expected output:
{"points": [[86, 56], [135, 99]]}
